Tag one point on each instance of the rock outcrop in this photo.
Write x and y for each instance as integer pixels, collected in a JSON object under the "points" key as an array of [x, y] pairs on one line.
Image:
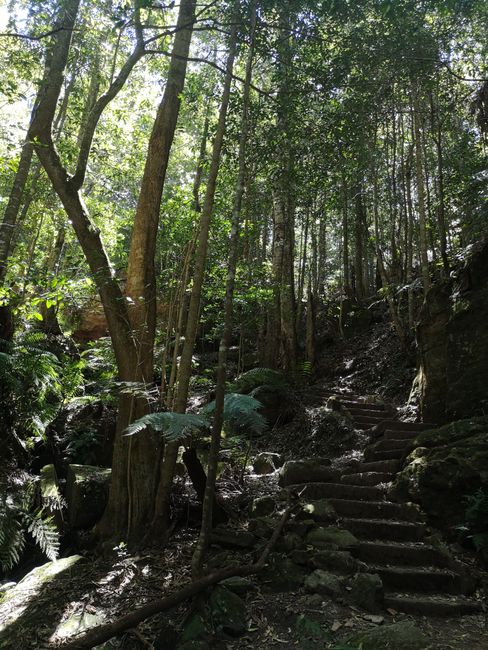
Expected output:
{"points": [[452, 339]]}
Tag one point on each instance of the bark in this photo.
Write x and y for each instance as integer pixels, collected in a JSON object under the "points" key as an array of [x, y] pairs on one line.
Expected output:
{"points": [[184, 373], [441, 212], [218, 419], [419, 169]]}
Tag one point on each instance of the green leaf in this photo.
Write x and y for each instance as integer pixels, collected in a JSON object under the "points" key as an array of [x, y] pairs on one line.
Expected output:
{"points": [[174, 426]]}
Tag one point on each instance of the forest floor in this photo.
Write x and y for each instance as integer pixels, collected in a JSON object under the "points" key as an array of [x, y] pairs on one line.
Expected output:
{"points": [[110, 586]]}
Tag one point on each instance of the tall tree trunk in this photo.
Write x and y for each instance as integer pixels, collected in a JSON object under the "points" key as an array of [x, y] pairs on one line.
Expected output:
{"points": [[208, 503], [184, 372], [419, 168]]}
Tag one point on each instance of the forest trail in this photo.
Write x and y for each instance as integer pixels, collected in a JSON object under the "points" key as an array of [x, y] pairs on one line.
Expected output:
{"points": [[419, 575]]}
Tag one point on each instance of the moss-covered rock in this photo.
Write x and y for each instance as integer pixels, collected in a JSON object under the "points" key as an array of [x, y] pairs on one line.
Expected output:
{"points": [[320, 511], [400, 636], [307, 470], [281, 574], [367, 591], [443, 467], [86, 493], [323, 583], [331, 538]]}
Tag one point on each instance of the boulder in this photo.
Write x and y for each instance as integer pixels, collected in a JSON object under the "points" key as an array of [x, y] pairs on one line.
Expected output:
{"points": [[307, 470], [331, 538], [452, 341], [399, 636], [279, 405], [86, 494], [230, 538], [367, 591], [281, 574], [267, 462], [262, 527], [237, 584], [228, 611], [337, 561], [444, 466], [263, 506], [323, 583]]}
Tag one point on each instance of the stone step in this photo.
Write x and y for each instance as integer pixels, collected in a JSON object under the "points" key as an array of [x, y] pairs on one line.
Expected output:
{"points": [[399, 425], [365, 411], [387, 445], [419, 579], [381, 529], [431, 605], [371, 419], [364, 406], [338, 491], [367, 478], [373, 510], [395, 434], [385, 466], [390, 454], [410, 554]]}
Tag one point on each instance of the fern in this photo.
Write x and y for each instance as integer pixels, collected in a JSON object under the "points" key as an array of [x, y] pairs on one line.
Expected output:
{"points": [[241, 411], [176, 427], [257, 377], [44, 533]]}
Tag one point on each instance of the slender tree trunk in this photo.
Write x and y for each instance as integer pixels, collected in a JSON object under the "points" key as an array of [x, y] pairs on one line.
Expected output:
{"points": [[419, 168], [184, 373], [208, 502], [441, 212]]}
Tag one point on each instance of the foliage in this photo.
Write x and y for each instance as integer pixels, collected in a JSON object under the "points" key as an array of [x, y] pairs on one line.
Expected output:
{"points": [[241, 411], [18, 519], [176, 427], [475, 526], [251, 379]]}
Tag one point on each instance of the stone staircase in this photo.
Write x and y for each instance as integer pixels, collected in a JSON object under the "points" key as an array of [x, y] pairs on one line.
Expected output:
{"points": [[418, 577]]}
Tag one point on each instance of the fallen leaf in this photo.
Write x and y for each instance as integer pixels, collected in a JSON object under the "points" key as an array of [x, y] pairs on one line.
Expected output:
{"points": [[336, 626], [391, 611], [374, 618]]}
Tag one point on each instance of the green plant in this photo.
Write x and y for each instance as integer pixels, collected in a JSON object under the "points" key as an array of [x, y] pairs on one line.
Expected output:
{"points": [[475, 526], [241, 411], [19, 518], [251, 379]]}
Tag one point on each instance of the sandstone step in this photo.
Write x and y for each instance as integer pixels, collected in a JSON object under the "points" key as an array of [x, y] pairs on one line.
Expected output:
{"points": [[419, 579], [382, 529], [364, 406], [387, 445], [338, 491], [373, 510], [367, 412], [385, 466], [371, 419], [431, 605], [399, 425], [391, 454], [367, 478], [410, 554], [396, 434]]}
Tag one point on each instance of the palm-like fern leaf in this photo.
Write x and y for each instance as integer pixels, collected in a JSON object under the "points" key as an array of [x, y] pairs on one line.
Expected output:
{"points": [[257, 377], [242, 411], [175, 427]]}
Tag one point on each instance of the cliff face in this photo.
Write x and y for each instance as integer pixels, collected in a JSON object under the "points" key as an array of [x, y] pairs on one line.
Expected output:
{"points": [[452, 337]]}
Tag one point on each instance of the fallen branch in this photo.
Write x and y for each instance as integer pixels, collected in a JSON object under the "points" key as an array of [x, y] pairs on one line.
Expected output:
{"points": [[105, 632]]}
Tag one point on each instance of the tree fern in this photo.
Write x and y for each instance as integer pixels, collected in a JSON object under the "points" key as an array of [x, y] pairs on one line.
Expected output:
{"points": [[44, 533], [175, 427], [241, 411], [257, 377]]}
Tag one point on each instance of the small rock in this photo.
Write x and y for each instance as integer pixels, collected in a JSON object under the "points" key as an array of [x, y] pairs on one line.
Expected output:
{"points": [[267, 462], [399, 636], [263, 506], [300, 557], [314, 600], [367, 591], [300, 526], [237, 584], [324, 537], [281, 574], [262, 527], [324, 583]]}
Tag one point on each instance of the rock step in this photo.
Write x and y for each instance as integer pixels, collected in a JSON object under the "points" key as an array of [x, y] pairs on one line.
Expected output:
{"points": [[338, 491], [365, 411], [430, 605], [391, 454], [364, 406], [382, 529], [420, 579], [387, 445], [405, 554], [371, 419], [384, 466], [367, 478], [399, 425], [392, 434], [373, 510]]}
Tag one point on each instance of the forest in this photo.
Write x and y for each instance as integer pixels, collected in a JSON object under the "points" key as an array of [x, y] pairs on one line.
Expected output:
{"points": [[244, 324]]}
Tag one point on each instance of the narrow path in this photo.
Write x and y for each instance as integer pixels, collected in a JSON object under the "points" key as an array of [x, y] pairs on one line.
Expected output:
{"points": [[393, 537]]}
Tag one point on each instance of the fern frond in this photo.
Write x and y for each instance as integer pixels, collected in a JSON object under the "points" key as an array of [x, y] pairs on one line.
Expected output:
{"points": [[12, 539], [44, 533], [257, 377], [174, 426], [241, 410]]}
